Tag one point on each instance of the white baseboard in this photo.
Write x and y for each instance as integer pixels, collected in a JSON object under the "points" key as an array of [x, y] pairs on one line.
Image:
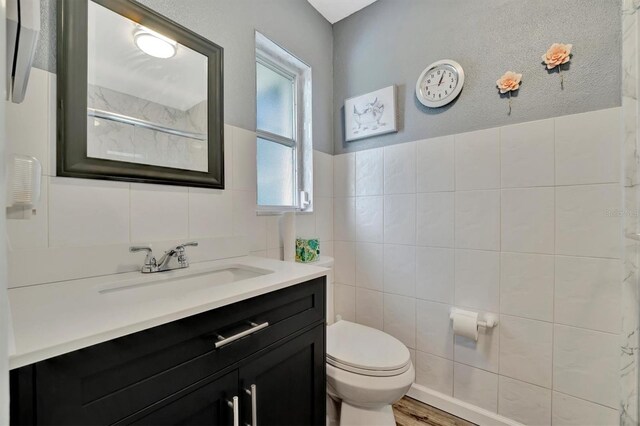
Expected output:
{"points": [[459, 408]]}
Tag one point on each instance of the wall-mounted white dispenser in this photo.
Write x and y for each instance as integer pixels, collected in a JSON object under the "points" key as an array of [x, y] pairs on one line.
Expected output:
{"points": [[23, 30], [23, 191]]}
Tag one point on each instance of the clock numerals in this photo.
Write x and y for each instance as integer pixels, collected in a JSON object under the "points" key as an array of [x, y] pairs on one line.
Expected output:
{"points": [[440, 83]]}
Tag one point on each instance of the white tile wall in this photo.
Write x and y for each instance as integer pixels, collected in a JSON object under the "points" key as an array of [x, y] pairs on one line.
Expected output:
{"points": [[87, 212], [477, 220], [344, 175], [344, 218], [434, 220], [585, 364], [528, 220], [477, 160], [585, 225], [519, 222], [159, 212], [588, 147], [526, 285], [523, 402], [92, 213], [570, 411], [345, 301], [527, 154], [433, 332], [369, 307], [477, 279], [400, 318], [369, 172], [475, 386], [369, 212], [344, 268], [246, 223], [369, 265], [400, 169], [400, 219], [323, 210], [587, 293], [205, 204], [435, 269], [434, 372], [435, 170], [525, 349], [400, 269]]}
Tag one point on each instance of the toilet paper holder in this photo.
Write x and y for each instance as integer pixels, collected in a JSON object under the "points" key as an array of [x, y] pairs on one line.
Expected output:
{"points": [[489, 320]]}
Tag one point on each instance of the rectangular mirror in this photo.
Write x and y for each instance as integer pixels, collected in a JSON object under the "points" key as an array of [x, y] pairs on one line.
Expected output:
{"points": [[139, 97]]}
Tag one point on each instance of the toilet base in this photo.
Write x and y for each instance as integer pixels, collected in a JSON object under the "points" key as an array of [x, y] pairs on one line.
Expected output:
{"points": [[351, 415]]}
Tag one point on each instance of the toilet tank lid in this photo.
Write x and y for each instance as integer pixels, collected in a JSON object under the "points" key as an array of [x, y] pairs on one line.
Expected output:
{"points": [[324, 262], [365, 347]]}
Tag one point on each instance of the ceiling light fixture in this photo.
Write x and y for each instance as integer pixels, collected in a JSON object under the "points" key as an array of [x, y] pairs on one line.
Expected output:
{"points": [[154, 44]]}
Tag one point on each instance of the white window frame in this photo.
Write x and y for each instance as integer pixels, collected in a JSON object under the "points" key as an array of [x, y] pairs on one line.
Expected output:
{"points": [[281, 61]]}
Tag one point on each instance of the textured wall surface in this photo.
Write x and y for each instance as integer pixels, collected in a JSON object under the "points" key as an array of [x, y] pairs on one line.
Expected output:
{"points": [[293, 24], [392, 41]]}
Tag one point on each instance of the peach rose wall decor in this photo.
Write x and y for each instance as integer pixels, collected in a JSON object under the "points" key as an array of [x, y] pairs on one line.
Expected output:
{"points": [[509, 82], [557, 55]]}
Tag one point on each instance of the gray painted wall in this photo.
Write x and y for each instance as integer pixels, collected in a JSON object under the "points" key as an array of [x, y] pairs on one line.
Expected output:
{"points": [[392, 41], [294, 24]]}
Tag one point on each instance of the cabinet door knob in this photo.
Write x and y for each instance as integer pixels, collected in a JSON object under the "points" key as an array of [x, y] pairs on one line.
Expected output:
{"points": [[252, 391], [233, 404]]}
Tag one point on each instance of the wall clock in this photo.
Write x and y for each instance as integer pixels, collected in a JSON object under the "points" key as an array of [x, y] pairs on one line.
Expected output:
{"points": [[440, 83]]}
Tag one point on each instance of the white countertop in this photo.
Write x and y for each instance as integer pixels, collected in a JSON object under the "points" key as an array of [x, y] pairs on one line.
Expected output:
{"points": [[53, 319]]}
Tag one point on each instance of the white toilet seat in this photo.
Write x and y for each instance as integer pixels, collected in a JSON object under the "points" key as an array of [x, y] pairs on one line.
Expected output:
{"points": [[365, 350], [366, 371]]}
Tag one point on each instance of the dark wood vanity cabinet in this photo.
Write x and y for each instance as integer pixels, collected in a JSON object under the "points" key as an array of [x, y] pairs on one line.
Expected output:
{"points": [[174, 375]]}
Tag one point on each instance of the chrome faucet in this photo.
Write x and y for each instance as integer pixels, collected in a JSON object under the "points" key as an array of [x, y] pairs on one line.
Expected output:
{"points": [[174, 258]]}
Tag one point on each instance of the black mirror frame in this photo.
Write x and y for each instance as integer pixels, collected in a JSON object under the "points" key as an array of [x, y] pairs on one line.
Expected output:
{"points": [[71, 105]]}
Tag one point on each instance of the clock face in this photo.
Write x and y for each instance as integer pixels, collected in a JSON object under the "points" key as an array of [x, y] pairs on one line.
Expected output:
{"points": [[440, 83]]}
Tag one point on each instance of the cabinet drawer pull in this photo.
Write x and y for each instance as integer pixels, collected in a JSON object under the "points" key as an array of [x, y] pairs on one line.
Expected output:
{"points": [[236, 411], [254, 404], [226, 340]]}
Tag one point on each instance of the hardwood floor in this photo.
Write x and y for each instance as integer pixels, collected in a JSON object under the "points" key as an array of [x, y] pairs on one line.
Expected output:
{"points": [[410, 412]]}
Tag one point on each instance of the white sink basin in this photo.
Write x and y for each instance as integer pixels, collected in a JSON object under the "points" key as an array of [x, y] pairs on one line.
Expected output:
{"points": [[190, 278]]}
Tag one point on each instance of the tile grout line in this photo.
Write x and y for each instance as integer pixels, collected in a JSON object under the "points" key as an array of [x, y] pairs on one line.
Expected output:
{"points": [[555, 251], [498, 329]]}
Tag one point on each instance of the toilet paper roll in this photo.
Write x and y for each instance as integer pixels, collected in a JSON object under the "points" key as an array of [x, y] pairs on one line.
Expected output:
{"points": [[465, 323]]}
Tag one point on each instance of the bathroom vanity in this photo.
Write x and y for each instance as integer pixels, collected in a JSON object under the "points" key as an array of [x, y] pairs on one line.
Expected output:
{"points": [[254, 354]]}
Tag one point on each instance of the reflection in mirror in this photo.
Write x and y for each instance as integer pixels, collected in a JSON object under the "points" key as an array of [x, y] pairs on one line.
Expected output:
{"points": [[146, 95]]}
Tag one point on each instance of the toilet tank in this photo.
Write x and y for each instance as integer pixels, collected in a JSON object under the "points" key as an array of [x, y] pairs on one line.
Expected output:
{"points": [[327, 262]]}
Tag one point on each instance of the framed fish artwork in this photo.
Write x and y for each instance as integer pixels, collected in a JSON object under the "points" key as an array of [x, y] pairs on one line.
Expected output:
{"points": [[371, 114]]}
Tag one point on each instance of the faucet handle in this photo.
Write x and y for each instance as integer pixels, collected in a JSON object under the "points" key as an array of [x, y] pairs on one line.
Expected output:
{"points": [[134, 249], [150, 262], [181, 249]]}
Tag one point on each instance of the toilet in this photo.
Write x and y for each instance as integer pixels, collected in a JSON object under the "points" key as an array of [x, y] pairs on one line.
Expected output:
{"points": [[367, 371]]}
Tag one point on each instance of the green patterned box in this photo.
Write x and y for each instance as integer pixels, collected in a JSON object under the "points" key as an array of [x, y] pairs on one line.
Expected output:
{"points": [[307, 250]]}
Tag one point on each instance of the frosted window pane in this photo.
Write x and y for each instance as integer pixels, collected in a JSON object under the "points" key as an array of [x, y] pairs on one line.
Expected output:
{"points": [[275, 174], [275, 102]]}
